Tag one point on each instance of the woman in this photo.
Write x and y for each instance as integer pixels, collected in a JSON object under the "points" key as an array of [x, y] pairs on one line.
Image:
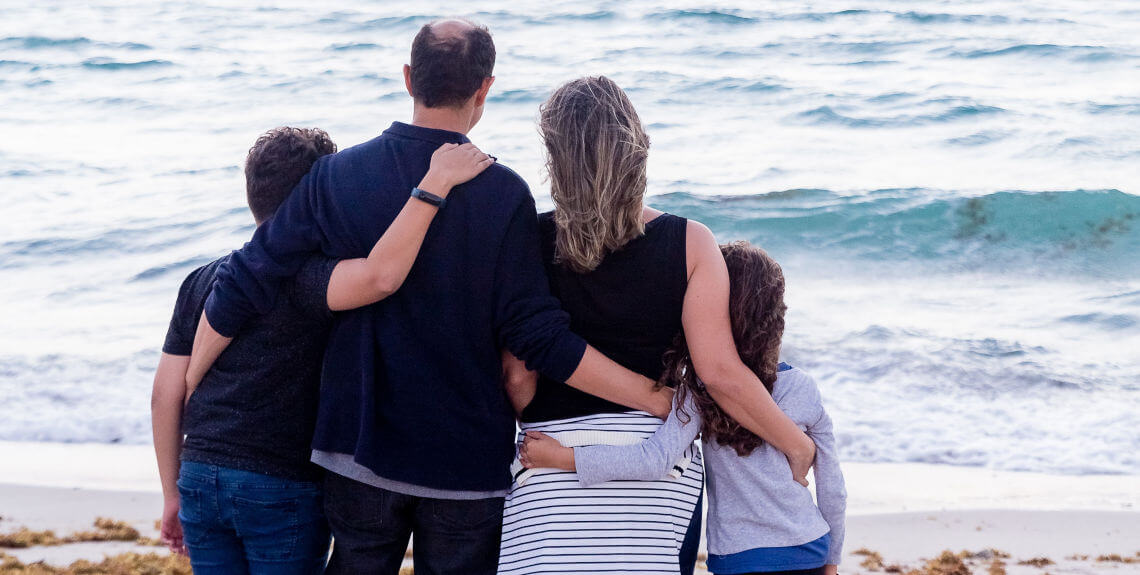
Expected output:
{"points": [[631, 277], [759, 522]]}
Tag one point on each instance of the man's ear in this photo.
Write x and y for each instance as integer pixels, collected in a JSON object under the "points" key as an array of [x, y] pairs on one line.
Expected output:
{"points": [[481, 95], [408, 79]]}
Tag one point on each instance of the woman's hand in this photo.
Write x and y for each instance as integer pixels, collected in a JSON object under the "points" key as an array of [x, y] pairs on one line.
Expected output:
{"points": [[171, 529], [520, 383], [454, 164], [541, 450], [830, 570], [801, 460]]}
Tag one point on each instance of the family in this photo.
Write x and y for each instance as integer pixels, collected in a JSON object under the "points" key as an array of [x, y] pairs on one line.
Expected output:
{"points": [[357, 374]]}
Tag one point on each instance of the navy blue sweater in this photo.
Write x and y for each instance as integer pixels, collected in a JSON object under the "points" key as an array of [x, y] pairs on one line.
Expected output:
{"points": [[411, 385]]}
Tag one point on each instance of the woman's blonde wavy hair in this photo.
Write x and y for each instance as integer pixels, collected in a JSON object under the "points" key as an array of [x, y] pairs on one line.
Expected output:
{"points": [[596, 158]]}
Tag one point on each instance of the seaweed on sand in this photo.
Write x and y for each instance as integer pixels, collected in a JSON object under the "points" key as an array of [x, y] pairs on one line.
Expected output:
{"points": [[872, 561], [948, 563], [105, 530], [24, 537], [1114, 558], [122, 564]]}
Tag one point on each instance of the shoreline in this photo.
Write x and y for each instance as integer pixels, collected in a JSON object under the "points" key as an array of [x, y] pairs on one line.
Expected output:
{"points": [[873, 488], [908, 513], [1071, 540]]}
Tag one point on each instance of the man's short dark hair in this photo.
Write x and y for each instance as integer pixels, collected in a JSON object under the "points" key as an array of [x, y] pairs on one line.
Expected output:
{"points": [[447, 71], [277, 162]]}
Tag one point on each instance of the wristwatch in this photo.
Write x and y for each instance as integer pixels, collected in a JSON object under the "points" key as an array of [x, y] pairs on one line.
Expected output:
{"points": [[429, 198]]}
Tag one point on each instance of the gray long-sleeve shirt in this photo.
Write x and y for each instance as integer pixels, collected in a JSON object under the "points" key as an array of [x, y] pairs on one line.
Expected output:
{"points": [[753, 500]]}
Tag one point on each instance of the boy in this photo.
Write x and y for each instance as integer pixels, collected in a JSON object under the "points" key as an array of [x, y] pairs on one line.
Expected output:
{"points": [[240, 493]]}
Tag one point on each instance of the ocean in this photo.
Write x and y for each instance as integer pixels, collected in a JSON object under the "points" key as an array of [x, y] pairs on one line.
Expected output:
{"points": [[950, 186]]}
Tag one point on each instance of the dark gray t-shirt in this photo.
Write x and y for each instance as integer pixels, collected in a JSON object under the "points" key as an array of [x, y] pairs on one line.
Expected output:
{"points": [[256, 408]]}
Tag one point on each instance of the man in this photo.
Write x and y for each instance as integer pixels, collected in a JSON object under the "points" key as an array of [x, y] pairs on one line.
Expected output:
{"points": [[413, 423]]}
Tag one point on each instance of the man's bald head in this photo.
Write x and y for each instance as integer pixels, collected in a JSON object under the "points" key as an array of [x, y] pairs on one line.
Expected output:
{"points": [[450, 60], [451, 27]]}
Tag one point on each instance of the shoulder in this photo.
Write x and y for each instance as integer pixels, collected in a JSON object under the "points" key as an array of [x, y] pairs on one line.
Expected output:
{"points": [[698, 236], [498, 196], [505, 183], [355, 152], [795, 386], [701, 245], [357, 159], [199, 282], [188, 307], [502, 173], [673, 226]]}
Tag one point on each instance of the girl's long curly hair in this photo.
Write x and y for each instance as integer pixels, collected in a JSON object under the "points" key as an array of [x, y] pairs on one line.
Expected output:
{"points": [[756, 306]]}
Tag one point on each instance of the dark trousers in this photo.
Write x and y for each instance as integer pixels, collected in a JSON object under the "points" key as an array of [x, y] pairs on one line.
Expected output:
{"points": [[691, 545], [371, 527], [816, 571]]}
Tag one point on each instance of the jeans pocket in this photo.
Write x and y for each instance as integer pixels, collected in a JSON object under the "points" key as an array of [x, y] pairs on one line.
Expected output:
{"points": [[268, 524], [467, 514], [353, 504], [192, 513]]}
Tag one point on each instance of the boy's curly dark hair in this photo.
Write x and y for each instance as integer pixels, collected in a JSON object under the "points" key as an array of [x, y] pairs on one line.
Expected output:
{"points": [[277, 162], [756, 306]]}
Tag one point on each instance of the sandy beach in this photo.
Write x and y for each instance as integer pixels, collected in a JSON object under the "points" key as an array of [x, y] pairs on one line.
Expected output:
{"points": [[907, 513]]}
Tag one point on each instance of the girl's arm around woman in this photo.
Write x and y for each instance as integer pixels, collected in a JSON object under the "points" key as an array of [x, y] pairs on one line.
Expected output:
{"points": [[830, 489], [647, 460]]}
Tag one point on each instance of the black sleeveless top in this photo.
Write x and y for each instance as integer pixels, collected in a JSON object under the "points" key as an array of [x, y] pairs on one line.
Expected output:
{"points": [[629, 308]]}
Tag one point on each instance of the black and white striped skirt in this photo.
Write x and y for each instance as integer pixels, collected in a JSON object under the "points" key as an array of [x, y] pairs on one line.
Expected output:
{"points": [[552, 524]]}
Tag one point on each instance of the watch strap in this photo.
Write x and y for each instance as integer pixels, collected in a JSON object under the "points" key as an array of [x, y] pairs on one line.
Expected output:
{"points": [[428, 197]]}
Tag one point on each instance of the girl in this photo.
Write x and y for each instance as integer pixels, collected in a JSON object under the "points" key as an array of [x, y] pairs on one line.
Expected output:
{"points": [[760, 521]]}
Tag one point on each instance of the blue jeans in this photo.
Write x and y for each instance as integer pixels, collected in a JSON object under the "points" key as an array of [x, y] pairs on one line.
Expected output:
{"points": [[243, 523]]}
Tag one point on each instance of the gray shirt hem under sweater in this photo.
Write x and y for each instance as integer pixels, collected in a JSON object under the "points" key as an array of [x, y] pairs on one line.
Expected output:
{"points": [[345, 464]]}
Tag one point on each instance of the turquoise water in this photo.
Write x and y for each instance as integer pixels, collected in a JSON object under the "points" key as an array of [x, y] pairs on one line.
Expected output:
{"points": [[951, 188]]}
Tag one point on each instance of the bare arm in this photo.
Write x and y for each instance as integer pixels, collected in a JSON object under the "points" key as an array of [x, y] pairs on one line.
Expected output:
{"points": [[603, 377], [733, 386], [647, 460], [519, 382], [596, 375], [208, 345], [166, 422], [830, 489], [363, 281]]}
